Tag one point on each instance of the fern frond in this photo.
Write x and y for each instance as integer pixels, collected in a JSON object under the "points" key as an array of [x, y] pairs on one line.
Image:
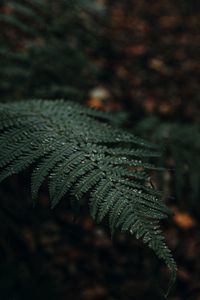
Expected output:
{"points": [[82, 152], [182, 143]]}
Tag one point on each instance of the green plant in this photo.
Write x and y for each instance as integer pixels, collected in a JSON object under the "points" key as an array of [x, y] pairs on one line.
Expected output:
{"points": [[47, 48], [82, 152], [182, 141]]}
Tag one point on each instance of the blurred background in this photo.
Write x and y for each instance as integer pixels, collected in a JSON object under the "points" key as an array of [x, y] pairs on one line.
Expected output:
{"points": [[133, 56]]}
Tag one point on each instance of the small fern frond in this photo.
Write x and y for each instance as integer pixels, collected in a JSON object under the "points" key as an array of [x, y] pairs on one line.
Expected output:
{"points": [[82, 152], [182, 142]]}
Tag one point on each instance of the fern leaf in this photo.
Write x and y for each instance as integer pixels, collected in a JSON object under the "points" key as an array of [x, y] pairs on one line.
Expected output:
{"points": [[83, 153], [39, 174], [59, 188], [98, 195], [87, 182], [107, 204]]}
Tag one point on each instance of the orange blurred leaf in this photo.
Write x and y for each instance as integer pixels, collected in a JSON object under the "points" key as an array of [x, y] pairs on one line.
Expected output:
{"points": [[184, 220]]}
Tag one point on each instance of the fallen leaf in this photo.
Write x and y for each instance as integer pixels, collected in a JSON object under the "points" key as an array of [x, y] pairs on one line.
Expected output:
{"points": [[184, 220]]}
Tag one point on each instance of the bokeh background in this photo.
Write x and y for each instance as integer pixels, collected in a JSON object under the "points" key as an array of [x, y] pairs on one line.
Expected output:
{"points": [[134, 56]]}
